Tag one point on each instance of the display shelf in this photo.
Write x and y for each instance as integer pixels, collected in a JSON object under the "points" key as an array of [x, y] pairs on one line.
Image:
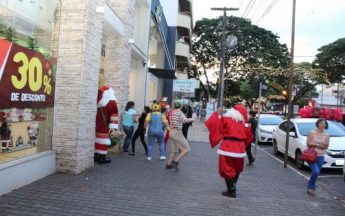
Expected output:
{"points": [[17, 154]]}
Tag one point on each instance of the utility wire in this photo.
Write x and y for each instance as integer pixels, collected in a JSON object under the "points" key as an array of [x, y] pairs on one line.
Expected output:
{"points": [[249, 3], [257, 8], [250, 9], [268, 9], [276, 10]]}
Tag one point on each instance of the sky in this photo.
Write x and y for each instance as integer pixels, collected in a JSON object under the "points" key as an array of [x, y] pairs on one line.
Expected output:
{"points": [[318, 22]]}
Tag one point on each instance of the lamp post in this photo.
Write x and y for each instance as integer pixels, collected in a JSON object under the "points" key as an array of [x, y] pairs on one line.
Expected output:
{"points": [[290, 83], [285, 93], [223, 45]]}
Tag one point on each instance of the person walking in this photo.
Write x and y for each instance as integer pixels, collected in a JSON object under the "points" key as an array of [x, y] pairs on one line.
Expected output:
{"points": [[253, 124], [128, 117], [319, 140], [188, 112], [157, 122], [176, 137], [140, 131], [234, 130]]}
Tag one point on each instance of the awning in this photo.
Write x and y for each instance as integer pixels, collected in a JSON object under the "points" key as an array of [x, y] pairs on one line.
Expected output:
{"points": [[163, 73]]}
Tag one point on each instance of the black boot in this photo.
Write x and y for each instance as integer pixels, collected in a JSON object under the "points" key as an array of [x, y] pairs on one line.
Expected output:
{"points": [[231, 185], [103, 159], [236, 178], [96, 157]]}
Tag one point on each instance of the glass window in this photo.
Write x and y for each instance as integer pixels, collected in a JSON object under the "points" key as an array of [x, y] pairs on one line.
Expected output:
{"points": [[270, 121], [156, 48], [282, 126], [28, 63]]}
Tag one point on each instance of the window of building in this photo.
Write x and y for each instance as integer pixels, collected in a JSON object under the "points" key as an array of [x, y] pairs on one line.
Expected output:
{"points": [[28, 63], [156, 47]]}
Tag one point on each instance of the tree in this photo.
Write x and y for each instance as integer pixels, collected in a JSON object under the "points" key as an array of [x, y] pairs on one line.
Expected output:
{"points": [[332, 59], [2, 29], [32, 44], [258, 49], [10, 35], [247, 93], [305, 79]]}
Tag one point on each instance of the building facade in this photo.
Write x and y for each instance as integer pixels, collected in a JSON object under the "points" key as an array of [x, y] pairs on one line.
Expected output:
{"points": [[179, 15], [54, 56]]}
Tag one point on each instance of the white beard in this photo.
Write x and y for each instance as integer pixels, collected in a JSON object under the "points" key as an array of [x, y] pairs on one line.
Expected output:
{"points": [[235, 115], [107, 96]]}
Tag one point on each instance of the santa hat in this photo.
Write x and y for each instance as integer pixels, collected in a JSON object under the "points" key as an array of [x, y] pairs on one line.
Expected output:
{"points": [[105, 94], [238, 113], [243, 111], [101, 91]]}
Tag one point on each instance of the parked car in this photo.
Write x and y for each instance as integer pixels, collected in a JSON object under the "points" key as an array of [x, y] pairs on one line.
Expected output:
{"points": [[299, 129], [266, 123], [344, 166], [339, 124]]}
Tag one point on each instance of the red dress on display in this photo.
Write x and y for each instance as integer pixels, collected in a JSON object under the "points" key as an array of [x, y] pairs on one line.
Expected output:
{"points": [[236, 133]]}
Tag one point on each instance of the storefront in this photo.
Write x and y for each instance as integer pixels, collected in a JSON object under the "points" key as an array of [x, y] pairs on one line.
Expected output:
{"points": [[161, 61], [28, 64]]}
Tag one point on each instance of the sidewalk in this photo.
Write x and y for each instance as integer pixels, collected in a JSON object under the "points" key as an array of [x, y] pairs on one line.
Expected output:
{"points": [[133, 186]]}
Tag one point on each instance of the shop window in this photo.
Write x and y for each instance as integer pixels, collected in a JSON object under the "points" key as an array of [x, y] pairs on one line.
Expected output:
{"points": [[28, 65]]}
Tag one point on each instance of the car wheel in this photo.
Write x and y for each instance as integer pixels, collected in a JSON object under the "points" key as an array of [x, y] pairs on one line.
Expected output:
{"points": [[275, 147], [299, 162]]}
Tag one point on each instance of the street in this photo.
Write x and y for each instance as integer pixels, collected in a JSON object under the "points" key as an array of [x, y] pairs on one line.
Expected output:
{"points": [[331, 179], [131, 185]]}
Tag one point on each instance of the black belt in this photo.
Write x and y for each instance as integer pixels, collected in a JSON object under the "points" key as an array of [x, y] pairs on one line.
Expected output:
{"points": [[232, 138]]}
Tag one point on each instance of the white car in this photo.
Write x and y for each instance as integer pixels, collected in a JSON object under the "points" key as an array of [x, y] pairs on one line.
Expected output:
{"points": [[266, 123], [299, 129]]}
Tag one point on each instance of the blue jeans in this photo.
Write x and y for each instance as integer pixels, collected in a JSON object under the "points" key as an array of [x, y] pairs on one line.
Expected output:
{"points": [[129, 132], [315, 171], [160, 136]]}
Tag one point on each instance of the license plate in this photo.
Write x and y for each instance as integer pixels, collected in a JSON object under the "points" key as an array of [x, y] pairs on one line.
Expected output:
{"points": [[339, 162]]}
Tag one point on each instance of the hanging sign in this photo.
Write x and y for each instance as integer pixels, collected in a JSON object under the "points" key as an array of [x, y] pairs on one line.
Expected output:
{"points": [[183, 86], [27, 78]]}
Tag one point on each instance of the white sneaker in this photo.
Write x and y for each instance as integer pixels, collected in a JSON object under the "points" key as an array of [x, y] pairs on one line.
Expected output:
{"points": [[163, 158], [149, 158]]}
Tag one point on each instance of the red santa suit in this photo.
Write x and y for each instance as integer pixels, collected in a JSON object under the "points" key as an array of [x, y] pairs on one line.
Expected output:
{"points": [[234, 130], [107, 102]]}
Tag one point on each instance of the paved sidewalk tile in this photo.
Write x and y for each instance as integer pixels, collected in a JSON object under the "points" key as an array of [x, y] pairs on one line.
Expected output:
{"points": [[131, 185]]}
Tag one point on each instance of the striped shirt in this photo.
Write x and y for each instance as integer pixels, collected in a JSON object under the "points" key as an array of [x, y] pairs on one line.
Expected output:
{"points": [[176, 118]]}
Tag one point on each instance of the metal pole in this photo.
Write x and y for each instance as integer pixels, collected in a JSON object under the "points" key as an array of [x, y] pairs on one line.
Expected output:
{"points": [[222, 72], [321, 95], [256, 132], [221, 75], [338, 95], [290, 84]]}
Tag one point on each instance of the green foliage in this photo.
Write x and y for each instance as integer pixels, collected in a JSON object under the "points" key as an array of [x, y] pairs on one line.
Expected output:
{"points": [[10, 35], [2, 29], [257, 50], [247, 93], [331, 58], [304, 81], [257, 47], [32, 44]]}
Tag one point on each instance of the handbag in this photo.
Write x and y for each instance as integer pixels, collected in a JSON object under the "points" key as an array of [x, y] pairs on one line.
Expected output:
{"points": [[309, 155]]}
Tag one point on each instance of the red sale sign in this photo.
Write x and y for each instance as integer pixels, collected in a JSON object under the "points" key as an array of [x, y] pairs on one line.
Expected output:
{"points": [[26, 77]]}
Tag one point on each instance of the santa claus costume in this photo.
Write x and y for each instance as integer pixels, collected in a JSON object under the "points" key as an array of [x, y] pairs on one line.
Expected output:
{"points": [[105, 123], [234, 130]]}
